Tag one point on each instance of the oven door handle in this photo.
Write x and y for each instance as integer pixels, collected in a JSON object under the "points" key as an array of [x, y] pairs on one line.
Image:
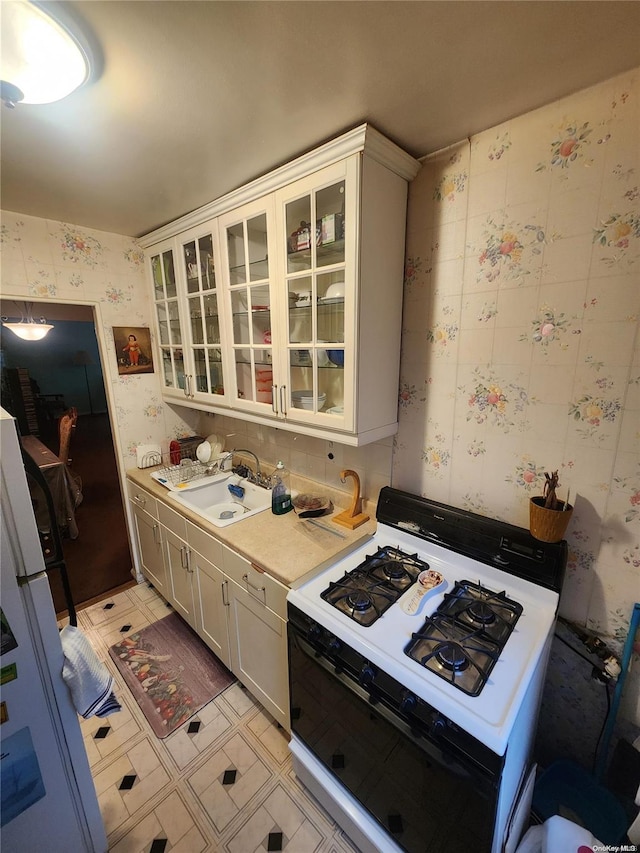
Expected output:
{"points": [[421, 737]]}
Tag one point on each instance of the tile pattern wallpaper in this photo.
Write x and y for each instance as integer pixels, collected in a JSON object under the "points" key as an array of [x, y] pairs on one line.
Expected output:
{"points": [[521, 351]]}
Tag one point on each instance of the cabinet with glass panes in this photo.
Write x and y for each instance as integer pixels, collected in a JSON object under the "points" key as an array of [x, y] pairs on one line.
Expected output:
{"points": [[201, 309], [169, 333], [186, 297], [292, 294], [318, 223], [247, 237]]}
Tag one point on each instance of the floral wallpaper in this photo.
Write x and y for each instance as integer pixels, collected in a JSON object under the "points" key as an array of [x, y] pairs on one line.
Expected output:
{"points": [[521, 351], [46, 259]]}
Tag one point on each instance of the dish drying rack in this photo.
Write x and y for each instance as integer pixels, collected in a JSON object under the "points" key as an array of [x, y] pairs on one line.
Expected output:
{"points": [[188, 472]]}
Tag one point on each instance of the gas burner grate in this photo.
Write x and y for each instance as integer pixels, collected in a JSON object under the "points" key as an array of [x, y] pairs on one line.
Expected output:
{"points": [[367, 591], [464, 658], [463, 639], [475, 606], [360, 598], [394, 566]]}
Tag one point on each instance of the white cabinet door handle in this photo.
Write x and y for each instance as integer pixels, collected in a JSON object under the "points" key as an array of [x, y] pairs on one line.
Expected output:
{"points": [[140, 500], [183, 556], [225, 597], [274, 399], [155, 534], [283, 408]]}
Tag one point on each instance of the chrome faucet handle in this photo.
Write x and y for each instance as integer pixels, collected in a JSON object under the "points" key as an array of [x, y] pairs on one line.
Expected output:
{"points": [[250, 453], [263, 480]]}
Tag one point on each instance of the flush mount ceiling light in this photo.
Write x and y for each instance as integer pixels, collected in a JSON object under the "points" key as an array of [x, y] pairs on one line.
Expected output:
{"points": [[42, 60], [27, 328]]}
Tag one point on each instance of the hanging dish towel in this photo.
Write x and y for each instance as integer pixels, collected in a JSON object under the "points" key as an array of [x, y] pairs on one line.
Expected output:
{"points": [[86, 676]]}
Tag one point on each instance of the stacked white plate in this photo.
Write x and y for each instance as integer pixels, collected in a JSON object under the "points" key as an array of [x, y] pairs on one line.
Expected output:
{"points": [[305, 400]]}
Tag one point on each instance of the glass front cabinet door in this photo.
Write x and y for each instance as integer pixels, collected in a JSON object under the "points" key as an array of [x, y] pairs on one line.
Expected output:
{"points": [[169, 330], [248, 247], [202, 327], [317, 219]]}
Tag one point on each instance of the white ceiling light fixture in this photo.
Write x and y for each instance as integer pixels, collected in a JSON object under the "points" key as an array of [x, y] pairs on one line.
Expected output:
{"points": [[42, 60], [27, 327]]}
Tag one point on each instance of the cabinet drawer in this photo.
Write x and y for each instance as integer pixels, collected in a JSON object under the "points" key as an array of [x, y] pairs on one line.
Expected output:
{"points": [[204, 544], [173, 520], [257, 583], [142, 499]]}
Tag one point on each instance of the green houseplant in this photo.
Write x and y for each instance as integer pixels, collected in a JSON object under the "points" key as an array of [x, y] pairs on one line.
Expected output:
{"points": [[548, 516]]}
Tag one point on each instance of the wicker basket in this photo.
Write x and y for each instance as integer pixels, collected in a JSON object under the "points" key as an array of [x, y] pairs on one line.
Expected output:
{"points": [[548, 525]]}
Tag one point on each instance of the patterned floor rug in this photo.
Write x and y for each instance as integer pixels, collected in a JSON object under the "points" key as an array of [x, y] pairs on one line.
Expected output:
{"points": [[170, 671]]}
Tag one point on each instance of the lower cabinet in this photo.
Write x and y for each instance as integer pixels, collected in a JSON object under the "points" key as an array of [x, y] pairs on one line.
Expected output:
{"points": [[235, 608], [211, 603], [178, 564], [181, 573], [257, 605], [149, 539], [259, 651]]}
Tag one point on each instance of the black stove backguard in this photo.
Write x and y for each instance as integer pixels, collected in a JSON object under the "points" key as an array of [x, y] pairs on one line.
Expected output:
{"points": [[487, 540]]}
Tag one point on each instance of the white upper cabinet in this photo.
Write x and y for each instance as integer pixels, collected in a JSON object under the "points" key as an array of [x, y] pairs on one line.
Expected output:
{"points": [[282, 302], [169, 332], [317, 232], [199, 282], [249, 262]]}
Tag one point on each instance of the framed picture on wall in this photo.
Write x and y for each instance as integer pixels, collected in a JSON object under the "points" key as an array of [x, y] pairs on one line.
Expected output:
{"points": [[133, 350]]}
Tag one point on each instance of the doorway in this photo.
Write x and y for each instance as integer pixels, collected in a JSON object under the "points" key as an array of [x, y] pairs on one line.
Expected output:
{"points": [[65, 371]]}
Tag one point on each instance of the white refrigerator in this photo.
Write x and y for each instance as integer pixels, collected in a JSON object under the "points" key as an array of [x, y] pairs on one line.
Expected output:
{"points": [[47, 794]]}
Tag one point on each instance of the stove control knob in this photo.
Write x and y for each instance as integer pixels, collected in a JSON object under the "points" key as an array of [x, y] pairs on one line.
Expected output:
{"points": [[367, 674], [438, 725], [334, 646], [408, 703], [314, 633]]}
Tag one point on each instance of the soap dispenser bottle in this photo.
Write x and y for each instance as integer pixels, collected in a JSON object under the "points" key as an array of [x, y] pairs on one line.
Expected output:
{"points": [[281, 491]]}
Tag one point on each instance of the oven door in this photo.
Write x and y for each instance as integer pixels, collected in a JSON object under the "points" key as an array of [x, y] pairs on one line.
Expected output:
{"points": [[422, 794]]}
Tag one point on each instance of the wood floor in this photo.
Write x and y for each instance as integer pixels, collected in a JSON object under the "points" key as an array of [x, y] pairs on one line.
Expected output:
{"points": [[99, 560]]}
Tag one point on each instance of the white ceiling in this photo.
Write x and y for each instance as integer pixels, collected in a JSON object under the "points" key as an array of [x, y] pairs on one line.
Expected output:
{"points": [[197, 98]]}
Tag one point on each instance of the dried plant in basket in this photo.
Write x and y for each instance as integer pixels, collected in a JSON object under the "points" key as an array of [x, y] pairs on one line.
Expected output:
{"points": [[551, 484]]}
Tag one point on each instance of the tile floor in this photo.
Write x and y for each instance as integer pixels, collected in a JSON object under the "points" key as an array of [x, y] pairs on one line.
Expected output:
{"points": [[221, 782]]}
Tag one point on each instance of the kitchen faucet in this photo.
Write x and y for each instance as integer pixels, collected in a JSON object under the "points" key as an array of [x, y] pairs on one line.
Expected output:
{"points": [[258, 477]]}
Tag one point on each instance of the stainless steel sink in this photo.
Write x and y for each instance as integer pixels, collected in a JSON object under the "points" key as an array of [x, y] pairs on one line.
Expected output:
{"points": [[215, 502]]}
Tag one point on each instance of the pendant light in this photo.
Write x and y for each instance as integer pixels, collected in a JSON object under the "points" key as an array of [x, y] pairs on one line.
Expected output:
{"points": [[41, 60], [27, 327]]}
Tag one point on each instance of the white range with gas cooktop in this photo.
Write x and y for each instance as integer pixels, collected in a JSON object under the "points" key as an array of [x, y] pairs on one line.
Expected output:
{"points": [[417, 730]]}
